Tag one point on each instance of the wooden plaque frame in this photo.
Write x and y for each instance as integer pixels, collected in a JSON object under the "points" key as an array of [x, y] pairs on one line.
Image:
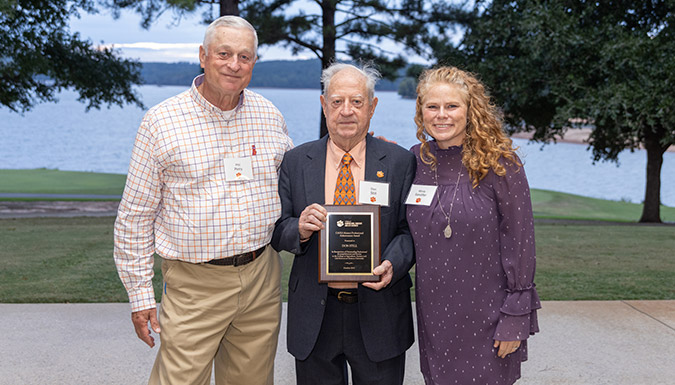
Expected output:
{"points": [[349, 245]]}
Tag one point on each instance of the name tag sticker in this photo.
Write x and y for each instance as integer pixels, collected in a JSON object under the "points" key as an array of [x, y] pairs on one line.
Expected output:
{"points": [[374, 193], [237, 169], [421, 195]]}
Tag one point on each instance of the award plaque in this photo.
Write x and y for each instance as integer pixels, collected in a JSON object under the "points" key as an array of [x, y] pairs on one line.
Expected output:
{"points": [[349, 245]]}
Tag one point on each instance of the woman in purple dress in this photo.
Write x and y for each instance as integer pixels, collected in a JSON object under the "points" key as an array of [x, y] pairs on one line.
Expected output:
{"points": [[471, 220]]}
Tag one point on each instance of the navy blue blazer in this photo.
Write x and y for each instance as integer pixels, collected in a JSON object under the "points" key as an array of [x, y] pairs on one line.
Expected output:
{"points": [[385, 315]]}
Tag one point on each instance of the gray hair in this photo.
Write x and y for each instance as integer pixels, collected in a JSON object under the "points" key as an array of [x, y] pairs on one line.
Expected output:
{"points": [[368, 72], [231, 22]]}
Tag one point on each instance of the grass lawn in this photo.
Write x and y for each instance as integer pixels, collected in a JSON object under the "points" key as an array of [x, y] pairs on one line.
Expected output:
{"points": [[558, 205], [58, 260], [546, 204], [70, 260], [595, 262], [44, 181]]}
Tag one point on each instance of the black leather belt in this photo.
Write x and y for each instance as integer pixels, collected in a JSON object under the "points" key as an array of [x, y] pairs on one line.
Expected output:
{"points": [[344, 295], [238, 260]]}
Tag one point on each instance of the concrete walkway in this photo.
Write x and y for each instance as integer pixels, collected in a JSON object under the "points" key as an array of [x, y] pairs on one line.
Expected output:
{"points": [[581, 343]]}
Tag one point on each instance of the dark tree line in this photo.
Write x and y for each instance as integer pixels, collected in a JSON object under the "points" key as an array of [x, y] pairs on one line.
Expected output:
{"points": [[273, 73]]}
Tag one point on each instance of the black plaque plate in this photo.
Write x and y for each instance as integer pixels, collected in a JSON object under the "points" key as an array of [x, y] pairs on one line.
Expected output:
{"points": [[349, 247]]}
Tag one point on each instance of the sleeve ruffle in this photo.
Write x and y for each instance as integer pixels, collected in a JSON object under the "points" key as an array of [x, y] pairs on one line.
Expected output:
{"points": [[521, 301], [518, 318]]}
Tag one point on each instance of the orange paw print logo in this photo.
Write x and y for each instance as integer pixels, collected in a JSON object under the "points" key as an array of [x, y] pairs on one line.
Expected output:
{"points": [[418, 200], [238, 174], [380, 174], [373, 199]]}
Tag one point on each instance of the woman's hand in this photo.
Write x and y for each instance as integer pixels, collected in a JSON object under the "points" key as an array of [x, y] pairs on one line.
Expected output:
{"points": [[506, 347]]}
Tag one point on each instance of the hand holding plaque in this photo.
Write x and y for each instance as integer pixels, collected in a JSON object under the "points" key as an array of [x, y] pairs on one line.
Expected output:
{"points": [[311, 220], [349, 247]]}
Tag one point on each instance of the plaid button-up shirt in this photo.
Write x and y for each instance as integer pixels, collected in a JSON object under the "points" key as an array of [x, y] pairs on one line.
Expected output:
{"points": [[177, 202]]}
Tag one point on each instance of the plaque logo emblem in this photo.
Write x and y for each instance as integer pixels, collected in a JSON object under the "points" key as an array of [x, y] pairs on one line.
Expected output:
{"points": [[340, 223]]}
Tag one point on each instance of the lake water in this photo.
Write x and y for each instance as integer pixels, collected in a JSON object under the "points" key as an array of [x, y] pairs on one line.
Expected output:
{"points": [[63, 136]]}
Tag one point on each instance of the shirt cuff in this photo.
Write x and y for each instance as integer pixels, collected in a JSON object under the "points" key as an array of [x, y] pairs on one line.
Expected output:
{"points": [[142, 299]]}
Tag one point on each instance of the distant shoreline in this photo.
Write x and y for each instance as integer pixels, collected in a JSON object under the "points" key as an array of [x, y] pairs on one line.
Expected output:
{"points": [[573, 135]]}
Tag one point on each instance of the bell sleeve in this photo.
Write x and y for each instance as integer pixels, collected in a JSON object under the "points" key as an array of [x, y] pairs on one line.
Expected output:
{"points": [[518, 313]]}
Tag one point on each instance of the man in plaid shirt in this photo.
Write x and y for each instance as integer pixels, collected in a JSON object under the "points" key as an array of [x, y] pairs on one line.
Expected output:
{"points": [[202, 194]]}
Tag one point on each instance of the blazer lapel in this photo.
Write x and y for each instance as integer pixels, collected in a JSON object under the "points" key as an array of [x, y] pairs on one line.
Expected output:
{"points": [[376, 168], [314, 172]]}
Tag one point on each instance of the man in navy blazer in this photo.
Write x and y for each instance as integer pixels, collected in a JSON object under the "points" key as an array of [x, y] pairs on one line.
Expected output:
{"points": [[367, 325]]}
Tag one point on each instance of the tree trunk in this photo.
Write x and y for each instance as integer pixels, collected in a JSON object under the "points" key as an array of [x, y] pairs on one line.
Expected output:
{"points": [[651, 210], [229, 7], [328, 8]]}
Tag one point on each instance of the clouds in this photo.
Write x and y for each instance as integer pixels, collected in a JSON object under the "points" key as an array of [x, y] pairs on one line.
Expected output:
{"points": [[158, 52], [164, 41], [169, 40]]}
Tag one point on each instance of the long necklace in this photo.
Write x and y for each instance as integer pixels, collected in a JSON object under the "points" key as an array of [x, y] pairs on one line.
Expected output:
{"points": [[448, 230]]}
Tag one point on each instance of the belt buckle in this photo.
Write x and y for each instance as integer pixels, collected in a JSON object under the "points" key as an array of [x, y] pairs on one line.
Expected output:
{"points": [[243, 259], [344, 295]]}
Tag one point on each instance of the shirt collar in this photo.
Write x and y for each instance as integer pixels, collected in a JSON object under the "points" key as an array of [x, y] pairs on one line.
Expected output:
{"points": [[205, 104], [334, 154]]}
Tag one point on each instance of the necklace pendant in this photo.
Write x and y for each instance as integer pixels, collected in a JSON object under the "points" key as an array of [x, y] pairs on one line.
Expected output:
{"points": [[448, 231]]}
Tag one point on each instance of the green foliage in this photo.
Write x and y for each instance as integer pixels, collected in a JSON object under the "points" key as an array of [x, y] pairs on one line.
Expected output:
{"points": [[40, 57], [362, 25], [408, 88], [553, 65], [414, 71]]}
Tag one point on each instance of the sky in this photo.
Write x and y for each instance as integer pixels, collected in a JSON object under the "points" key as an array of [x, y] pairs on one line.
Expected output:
{"points": [[163, 41]]}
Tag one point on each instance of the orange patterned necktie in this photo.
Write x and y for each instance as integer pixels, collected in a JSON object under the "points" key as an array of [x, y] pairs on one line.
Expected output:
{"points": [[344, 187]]}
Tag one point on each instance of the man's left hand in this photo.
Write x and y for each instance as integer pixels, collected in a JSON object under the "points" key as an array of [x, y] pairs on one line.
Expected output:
{"points": [[386, 271]]}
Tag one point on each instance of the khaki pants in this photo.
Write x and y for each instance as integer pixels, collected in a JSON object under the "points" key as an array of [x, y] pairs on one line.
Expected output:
{"points": [[221, 317]]}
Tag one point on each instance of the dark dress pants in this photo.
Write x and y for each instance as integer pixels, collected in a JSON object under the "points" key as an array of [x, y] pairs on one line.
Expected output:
{"points": [[339, 343]]}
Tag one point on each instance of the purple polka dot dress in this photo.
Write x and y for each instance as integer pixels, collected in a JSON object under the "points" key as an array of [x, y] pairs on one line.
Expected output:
{"points": [[476, 286]]}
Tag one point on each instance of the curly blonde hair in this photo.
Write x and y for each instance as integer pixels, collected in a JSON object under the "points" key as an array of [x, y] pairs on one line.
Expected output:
{"points": [[485, 142]]}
